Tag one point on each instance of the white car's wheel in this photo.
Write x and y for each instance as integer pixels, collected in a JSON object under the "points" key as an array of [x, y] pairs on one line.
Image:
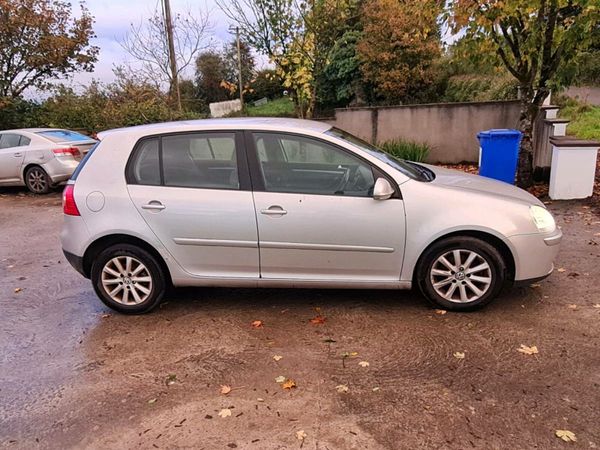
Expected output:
{"points": [[461, 273], [128, 279], [37, 180]]}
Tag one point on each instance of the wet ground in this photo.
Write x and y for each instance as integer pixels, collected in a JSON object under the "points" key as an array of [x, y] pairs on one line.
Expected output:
{"points": [[73, 374]]}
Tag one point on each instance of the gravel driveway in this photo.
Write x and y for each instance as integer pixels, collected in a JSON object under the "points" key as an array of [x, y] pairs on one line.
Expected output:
{"points": [[73, 374]]}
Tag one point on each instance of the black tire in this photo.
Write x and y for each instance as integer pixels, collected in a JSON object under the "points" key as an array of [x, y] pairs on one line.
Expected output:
{"points": [[497, 271], [37, 180], [153, 269]]}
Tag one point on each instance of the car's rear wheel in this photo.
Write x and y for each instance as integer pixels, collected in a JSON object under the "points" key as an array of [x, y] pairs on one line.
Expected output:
{"points": [[461, 273], [128, 279], [37, 180]]}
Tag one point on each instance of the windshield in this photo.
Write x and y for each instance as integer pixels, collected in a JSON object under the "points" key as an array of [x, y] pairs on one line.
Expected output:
{"points": [[63, 136], [410, 169]]}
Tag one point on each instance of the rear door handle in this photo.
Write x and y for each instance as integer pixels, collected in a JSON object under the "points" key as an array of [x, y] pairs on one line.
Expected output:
{"points": [[154, 205], [274, 211], [18, 155]]}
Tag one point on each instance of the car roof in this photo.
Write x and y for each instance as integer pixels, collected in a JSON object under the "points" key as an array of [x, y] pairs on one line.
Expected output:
{"points": [[238, 123]]}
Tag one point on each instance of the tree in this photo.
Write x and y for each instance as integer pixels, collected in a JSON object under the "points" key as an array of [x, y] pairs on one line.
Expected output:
{"points": [[210, 74], [400, 43], [230, 59], [147, 44], [295, 35], [535, 39], [41, 41]]}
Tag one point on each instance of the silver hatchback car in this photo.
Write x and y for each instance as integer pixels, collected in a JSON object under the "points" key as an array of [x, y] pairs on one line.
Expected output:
{"points": [[291, 203]]}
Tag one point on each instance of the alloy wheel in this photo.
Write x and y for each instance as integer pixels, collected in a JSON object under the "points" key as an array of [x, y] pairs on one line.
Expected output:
{"points": [[126, 280], [36, 180], [461, 276]]}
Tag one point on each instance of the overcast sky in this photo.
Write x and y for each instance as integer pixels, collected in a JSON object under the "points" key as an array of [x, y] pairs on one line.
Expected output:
{"points": [[113, 19]]}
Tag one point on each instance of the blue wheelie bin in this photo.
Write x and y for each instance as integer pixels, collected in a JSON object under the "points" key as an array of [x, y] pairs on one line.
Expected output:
{"points": [[499, 154]]}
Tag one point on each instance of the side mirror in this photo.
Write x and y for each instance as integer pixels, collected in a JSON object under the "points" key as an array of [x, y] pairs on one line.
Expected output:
{"points": [[383, 189]]}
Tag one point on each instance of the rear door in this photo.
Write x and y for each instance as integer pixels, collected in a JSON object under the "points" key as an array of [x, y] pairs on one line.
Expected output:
{"points": [[317, 218], [12, 153], [200, 204]]}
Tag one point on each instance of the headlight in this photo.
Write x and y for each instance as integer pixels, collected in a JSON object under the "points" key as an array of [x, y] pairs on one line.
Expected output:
{"points": [[542, 218]]}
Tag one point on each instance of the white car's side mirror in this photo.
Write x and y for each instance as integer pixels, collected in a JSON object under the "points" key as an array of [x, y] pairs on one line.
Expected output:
{"points": [[383, 189]]}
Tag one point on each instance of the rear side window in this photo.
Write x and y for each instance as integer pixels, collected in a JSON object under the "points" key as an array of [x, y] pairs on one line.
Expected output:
{"points": [[63, 136], [192, 160], [146, 168], [24, 141]]}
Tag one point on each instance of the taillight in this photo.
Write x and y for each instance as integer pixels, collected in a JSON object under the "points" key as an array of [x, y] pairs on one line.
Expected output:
{"points": [[73, 151], [68, 200]]}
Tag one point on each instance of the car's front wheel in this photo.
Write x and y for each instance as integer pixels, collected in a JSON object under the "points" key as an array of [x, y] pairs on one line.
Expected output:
{"points": [[128, 279], [461, 273]]}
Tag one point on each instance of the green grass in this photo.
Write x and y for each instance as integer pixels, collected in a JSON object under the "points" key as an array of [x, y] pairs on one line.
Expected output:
{"points": [[411, 151], [585, 119], [281, 107]]}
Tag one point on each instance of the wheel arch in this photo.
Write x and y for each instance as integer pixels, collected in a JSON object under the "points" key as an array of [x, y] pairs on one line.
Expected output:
{"points": [[490, 238], [112, 239]]}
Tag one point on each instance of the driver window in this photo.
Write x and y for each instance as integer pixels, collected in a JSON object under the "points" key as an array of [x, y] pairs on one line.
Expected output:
{"points": [[297, 164]]}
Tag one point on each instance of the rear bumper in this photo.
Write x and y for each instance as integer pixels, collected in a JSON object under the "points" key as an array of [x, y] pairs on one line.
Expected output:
{"points": [[60, 170], [535, 255], [76, 262]]}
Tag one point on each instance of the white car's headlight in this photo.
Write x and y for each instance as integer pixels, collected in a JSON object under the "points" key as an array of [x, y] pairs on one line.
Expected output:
{"points": [[542, 218]]}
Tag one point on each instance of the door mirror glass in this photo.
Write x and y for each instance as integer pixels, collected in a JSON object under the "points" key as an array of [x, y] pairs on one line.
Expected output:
{"points": [[383, 189]]}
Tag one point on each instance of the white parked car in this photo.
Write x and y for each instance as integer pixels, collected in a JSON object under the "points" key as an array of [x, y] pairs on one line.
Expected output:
{"points": [[291, 203], [40, 158]]}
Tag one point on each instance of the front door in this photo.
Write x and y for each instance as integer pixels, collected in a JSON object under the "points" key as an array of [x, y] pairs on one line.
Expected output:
{"points": [[316, 216], [200, 204], [11, 157]]}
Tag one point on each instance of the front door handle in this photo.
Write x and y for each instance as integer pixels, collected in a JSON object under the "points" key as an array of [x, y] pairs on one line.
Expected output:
{"points": [[154, 205], [274, 211]]}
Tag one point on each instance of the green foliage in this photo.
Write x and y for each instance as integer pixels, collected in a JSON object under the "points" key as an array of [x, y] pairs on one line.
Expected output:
{"points": [[267, 83], [341, 80], [409, 150], [585, 118], [210, 74], [18, 113], [479, 88], [281, 107]]}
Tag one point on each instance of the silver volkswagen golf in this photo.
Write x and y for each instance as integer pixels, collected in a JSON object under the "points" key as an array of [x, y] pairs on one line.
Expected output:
{"points": [[291, 203]]}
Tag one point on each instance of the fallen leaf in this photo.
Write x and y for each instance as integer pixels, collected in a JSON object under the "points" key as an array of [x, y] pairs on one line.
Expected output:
{"points": [[280, 379], [375, 389], [151, 401], [528, 350], [277, 357], [329, 341], [341, 388], [225, 413], [597, 305], [257, 324], [225, 389], [260, 399], [171, 378], [566, 435], [289, 384], [105, 316], [573, 306], [459, 355], [363, 364], [301, 435], [561, 269], [17, 290], [534, 285], [318, 320], [441, 312]]}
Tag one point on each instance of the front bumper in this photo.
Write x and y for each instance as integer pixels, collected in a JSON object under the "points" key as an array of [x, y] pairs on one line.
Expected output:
{"points": [[534, 254]]}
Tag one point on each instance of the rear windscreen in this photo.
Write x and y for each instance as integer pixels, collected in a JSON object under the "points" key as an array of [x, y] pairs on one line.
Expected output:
{"points": [[83, 161], [63, 136]]}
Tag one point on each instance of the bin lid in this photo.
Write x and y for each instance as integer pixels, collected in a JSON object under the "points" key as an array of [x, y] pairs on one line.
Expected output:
{"points": [[499, 132]]}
